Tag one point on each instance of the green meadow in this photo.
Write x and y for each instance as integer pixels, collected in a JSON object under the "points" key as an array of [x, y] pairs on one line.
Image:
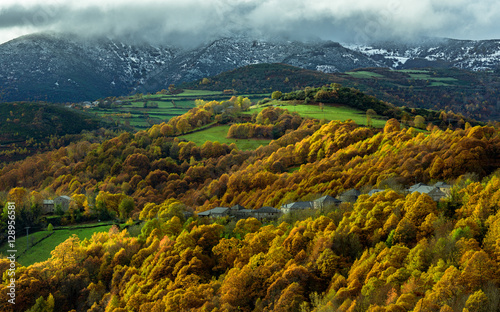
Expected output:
{"points": [[364, 74], [219, 134], [141, 112], [43, 242], [328, 113]]}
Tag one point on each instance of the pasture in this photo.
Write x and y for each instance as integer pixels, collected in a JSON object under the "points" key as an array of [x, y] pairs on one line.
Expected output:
{"points": [[219, 134], [43, 242], [328, 112], [143, 111]]}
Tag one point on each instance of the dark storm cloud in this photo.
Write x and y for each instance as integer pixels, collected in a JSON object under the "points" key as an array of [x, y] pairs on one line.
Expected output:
{"points": [[18, 15], [188, 21], [195, 21]]}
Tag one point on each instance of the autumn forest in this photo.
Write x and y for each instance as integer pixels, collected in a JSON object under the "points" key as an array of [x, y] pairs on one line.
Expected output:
{"points": [[393, 250]]}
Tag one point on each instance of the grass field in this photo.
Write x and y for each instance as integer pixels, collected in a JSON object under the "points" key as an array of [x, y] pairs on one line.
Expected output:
{"points": [[364, 74], [426, 75], [199, 93], [439, 84], [164, 108], [329, 113], [413, 71], [417, 74], [44, 245], [219, 134]]}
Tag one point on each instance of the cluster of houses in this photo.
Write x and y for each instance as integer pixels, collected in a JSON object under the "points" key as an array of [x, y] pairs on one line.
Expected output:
{"points": [[239, 212], [436, 192], [322, 202]]}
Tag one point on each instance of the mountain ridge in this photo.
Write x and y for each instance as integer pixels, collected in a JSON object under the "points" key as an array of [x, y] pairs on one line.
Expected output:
{"points": [[62, 68]]}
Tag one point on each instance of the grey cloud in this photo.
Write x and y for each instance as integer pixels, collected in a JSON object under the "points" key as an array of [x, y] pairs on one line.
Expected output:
{"points": [[37, 16], [192, 21]]}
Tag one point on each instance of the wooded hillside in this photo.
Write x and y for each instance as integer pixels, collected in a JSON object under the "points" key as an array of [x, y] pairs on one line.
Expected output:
{"points": [[391, 251]]}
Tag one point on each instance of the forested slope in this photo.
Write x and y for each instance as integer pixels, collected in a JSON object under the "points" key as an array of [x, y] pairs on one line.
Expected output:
{"points": [[389, 252]]}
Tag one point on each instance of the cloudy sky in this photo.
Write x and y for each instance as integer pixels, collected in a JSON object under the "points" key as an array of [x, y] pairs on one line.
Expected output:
{"points": [[194, 21]]}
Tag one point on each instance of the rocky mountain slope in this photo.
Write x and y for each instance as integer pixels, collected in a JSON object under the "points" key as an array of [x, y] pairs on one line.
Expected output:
{"points": [[466, 54], [63, 68]]}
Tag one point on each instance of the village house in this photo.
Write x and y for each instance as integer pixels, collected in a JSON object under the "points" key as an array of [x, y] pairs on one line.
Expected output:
{"points": [[243, 213], [48, 206], [187, 214], [266, 212], [412, 188], [435, 193], [239, 212], [444, 187], [216, 212], [205, 213], [63, 201], [325, 202], [374, 191], [237, 207], [350, 196], [296, 206]]}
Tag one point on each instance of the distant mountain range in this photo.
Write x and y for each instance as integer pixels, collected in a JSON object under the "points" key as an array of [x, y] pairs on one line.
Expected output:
{"points": [[62, 68]]}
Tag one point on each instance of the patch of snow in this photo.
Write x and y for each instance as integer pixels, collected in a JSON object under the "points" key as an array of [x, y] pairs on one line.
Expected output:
{"points": [[398, 60], [328, 69]]}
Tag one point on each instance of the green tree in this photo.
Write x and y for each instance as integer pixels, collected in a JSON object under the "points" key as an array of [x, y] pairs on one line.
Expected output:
{"points": [[477, 302], [276, 95], [18, 195], [436, 169], [245, 226], [392, 125], [126, 206], [322, 95], [419, 122], [58, 210], [370, 114], [43, 305], [245, 104], [183, 125]]}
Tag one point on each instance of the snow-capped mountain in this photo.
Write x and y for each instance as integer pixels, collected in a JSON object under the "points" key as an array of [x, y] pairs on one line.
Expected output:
{"points": [[230, 53], [64, 68], [466, 54]]}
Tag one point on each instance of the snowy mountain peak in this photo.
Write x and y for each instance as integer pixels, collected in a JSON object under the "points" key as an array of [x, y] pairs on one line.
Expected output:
{"points": [[61, 67], [466, 54]]}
